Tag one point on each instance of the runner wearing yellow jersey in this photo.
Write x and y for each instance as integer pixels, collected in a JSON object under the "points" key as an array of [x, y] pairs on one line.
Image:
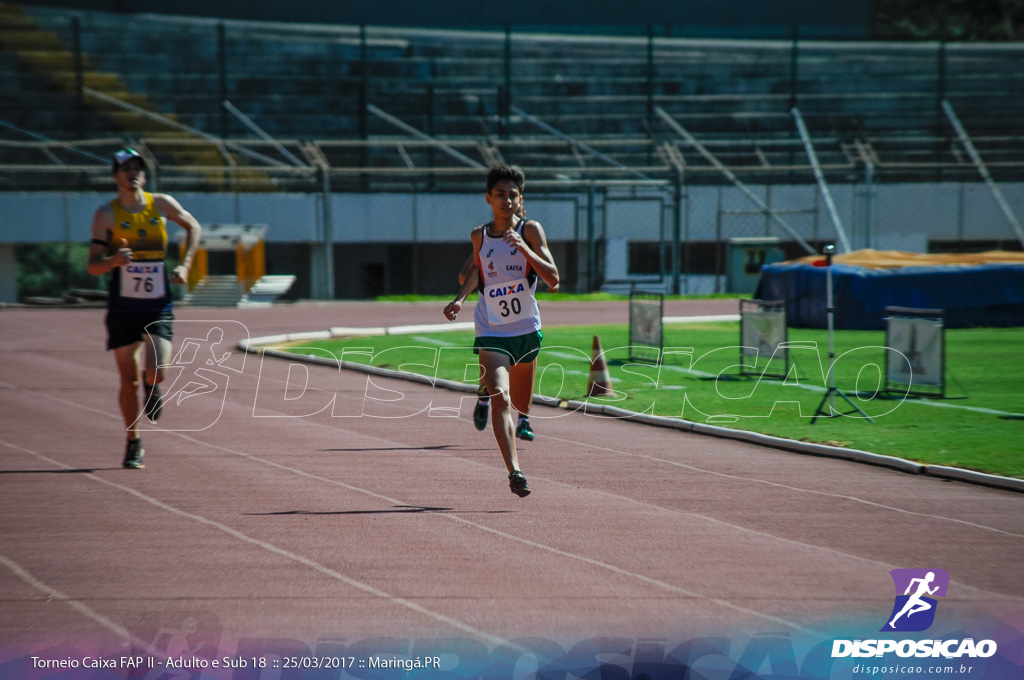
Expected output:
{"points": [[129, 241]]}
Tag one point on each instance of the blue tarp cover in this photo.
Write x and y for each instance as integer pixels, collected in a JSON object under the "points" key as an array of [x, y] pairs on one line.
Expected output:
{"points": [[982, 295]]}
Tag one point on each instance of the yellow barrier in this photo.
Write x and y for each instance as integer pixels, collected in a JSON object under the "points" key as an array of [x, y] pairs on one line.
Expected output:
{"points": [[199, 269]]}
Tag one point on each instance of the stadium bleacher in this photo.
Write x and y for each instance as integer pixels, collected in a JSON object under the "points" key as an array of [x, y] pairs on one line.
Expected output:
{"points": [[354, 110], [311, 81]]}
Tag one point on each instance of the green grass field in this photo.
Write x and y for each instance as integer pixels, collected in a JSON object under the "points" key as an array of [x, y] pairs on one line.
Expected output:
{"points": [[983, 372]]}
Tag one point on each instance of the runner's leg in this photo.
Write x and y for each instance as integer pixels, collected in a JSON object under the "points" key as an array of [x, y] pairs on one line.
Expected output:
{"points": [[158, 356], [129, 369], [496, 372], [521, 379]]}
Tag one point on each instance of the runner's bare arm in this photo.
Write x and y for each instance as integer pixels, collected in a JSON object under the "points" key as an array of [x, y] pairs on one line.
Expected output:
{"points": [[467, 268], [469, 283], [99, 263], [472, 275], [172, 210], [537, 251]]}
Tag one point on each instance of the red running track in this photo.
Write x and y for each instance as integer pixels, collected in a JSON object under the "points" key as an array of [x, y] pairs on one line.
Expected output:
{"points": [[319, 527]]}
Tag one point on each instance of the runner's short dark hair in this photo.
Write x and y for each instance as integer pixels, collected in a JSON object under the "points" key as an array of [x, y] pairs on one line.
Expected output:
{"points": [[500, 173]]}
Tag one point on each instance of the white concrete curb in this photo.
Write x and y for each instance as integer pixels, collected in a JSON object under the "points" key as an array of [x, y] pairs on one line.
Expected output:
{"points": [[700, 319], [256, 345]]}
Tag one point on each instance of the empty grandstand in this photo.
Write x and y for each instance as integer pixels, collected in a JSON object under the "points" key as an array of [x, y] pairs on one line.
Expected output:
{"points": [[643, 152]]}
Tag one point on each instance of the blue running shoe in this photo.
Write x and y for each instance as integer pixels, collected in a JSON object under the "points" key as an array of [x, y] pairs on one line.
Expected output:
{"points": [[523, 430]]}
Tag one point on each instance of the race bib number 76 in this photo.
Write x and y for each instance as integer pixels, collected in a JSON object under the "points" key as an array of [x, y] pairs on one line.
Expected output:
{"points": [[143, 280]]}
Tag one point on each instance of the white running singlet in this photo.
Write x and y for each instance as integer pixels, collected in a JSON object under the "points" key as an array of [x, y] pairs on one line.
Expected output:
{"points": [[506, 304]]}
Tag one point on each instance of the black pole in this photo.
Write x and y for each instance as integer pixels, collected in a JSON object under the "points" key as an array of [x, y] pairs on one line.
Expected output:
{"points": [[364, 66], [499, 110], [430, 110], [591, 238], [506, 100], [76, 37], [677, 222], [222, 63], [794, 69], [831, 391], [685, 219], [940, 87], [431, 124], [364, 96], [650, 83]]}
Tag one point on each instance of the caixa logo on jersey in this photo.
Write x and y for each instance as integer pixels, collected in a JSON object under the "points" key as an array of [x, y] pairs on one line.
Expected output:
{"points": [[914, 611]]}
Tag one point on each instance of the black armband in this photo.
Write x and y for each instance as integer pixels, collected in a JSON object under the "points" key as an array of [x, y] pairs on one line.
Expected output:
{"points": [[98, 242]]}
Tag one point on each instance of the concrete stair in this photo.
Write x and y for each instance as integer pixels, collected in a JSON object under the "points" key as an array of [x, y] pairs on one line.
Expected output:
{"points": [[268, 289], [226, 291], [216, 291]]}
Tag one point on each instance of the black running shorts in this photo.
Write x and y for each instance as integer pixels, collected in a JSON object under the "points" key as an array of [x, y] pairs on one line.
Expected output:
{"points": [[125, 329]]}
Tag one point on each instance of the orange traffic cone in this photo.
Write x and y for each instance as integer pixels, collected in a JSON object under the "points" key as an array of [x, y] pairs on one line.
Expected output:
{"points": [[600, 381]]}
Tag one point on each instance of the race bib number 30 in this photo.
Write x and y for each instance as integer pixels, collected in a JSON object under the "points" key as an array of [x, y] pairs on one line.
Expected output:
{"points": [[508, 302], [143, 280]]}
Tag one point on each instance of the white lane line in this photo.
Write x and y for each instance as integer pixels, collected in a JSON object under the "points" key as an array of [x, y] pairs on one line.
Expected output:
{"points": [[613, 451], [540, 546], [271, 548], [604, 565], [669, 511], [82, 608], [753, 480], [760, 534]]}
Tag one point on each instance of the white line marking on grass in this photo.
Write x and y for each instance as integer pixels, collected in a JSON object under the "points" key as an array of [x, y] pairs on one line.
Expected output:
{"points": [[821, 390], [432, 341]]}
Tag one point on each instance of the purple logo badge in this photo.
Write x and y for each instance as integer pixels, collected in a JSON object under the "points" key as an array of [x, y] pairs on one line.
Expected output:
{"points": [[914, 609]]}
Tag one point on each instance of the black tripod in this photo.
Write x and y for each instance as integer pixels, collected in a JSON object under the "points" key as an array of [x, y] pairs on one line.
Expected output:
{"points": [[830, 394]]}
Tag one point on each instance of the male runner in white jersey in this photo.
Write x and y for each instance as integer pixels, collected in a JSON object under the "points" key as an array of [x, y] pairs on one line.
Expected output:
{"points": [[483, 400], [511, 253]]}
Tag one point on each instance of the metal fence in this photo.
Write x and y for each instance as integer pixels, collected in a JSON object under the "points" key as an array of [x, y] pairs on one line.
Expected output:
{"points": [[647, 158], [670, 225]]}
